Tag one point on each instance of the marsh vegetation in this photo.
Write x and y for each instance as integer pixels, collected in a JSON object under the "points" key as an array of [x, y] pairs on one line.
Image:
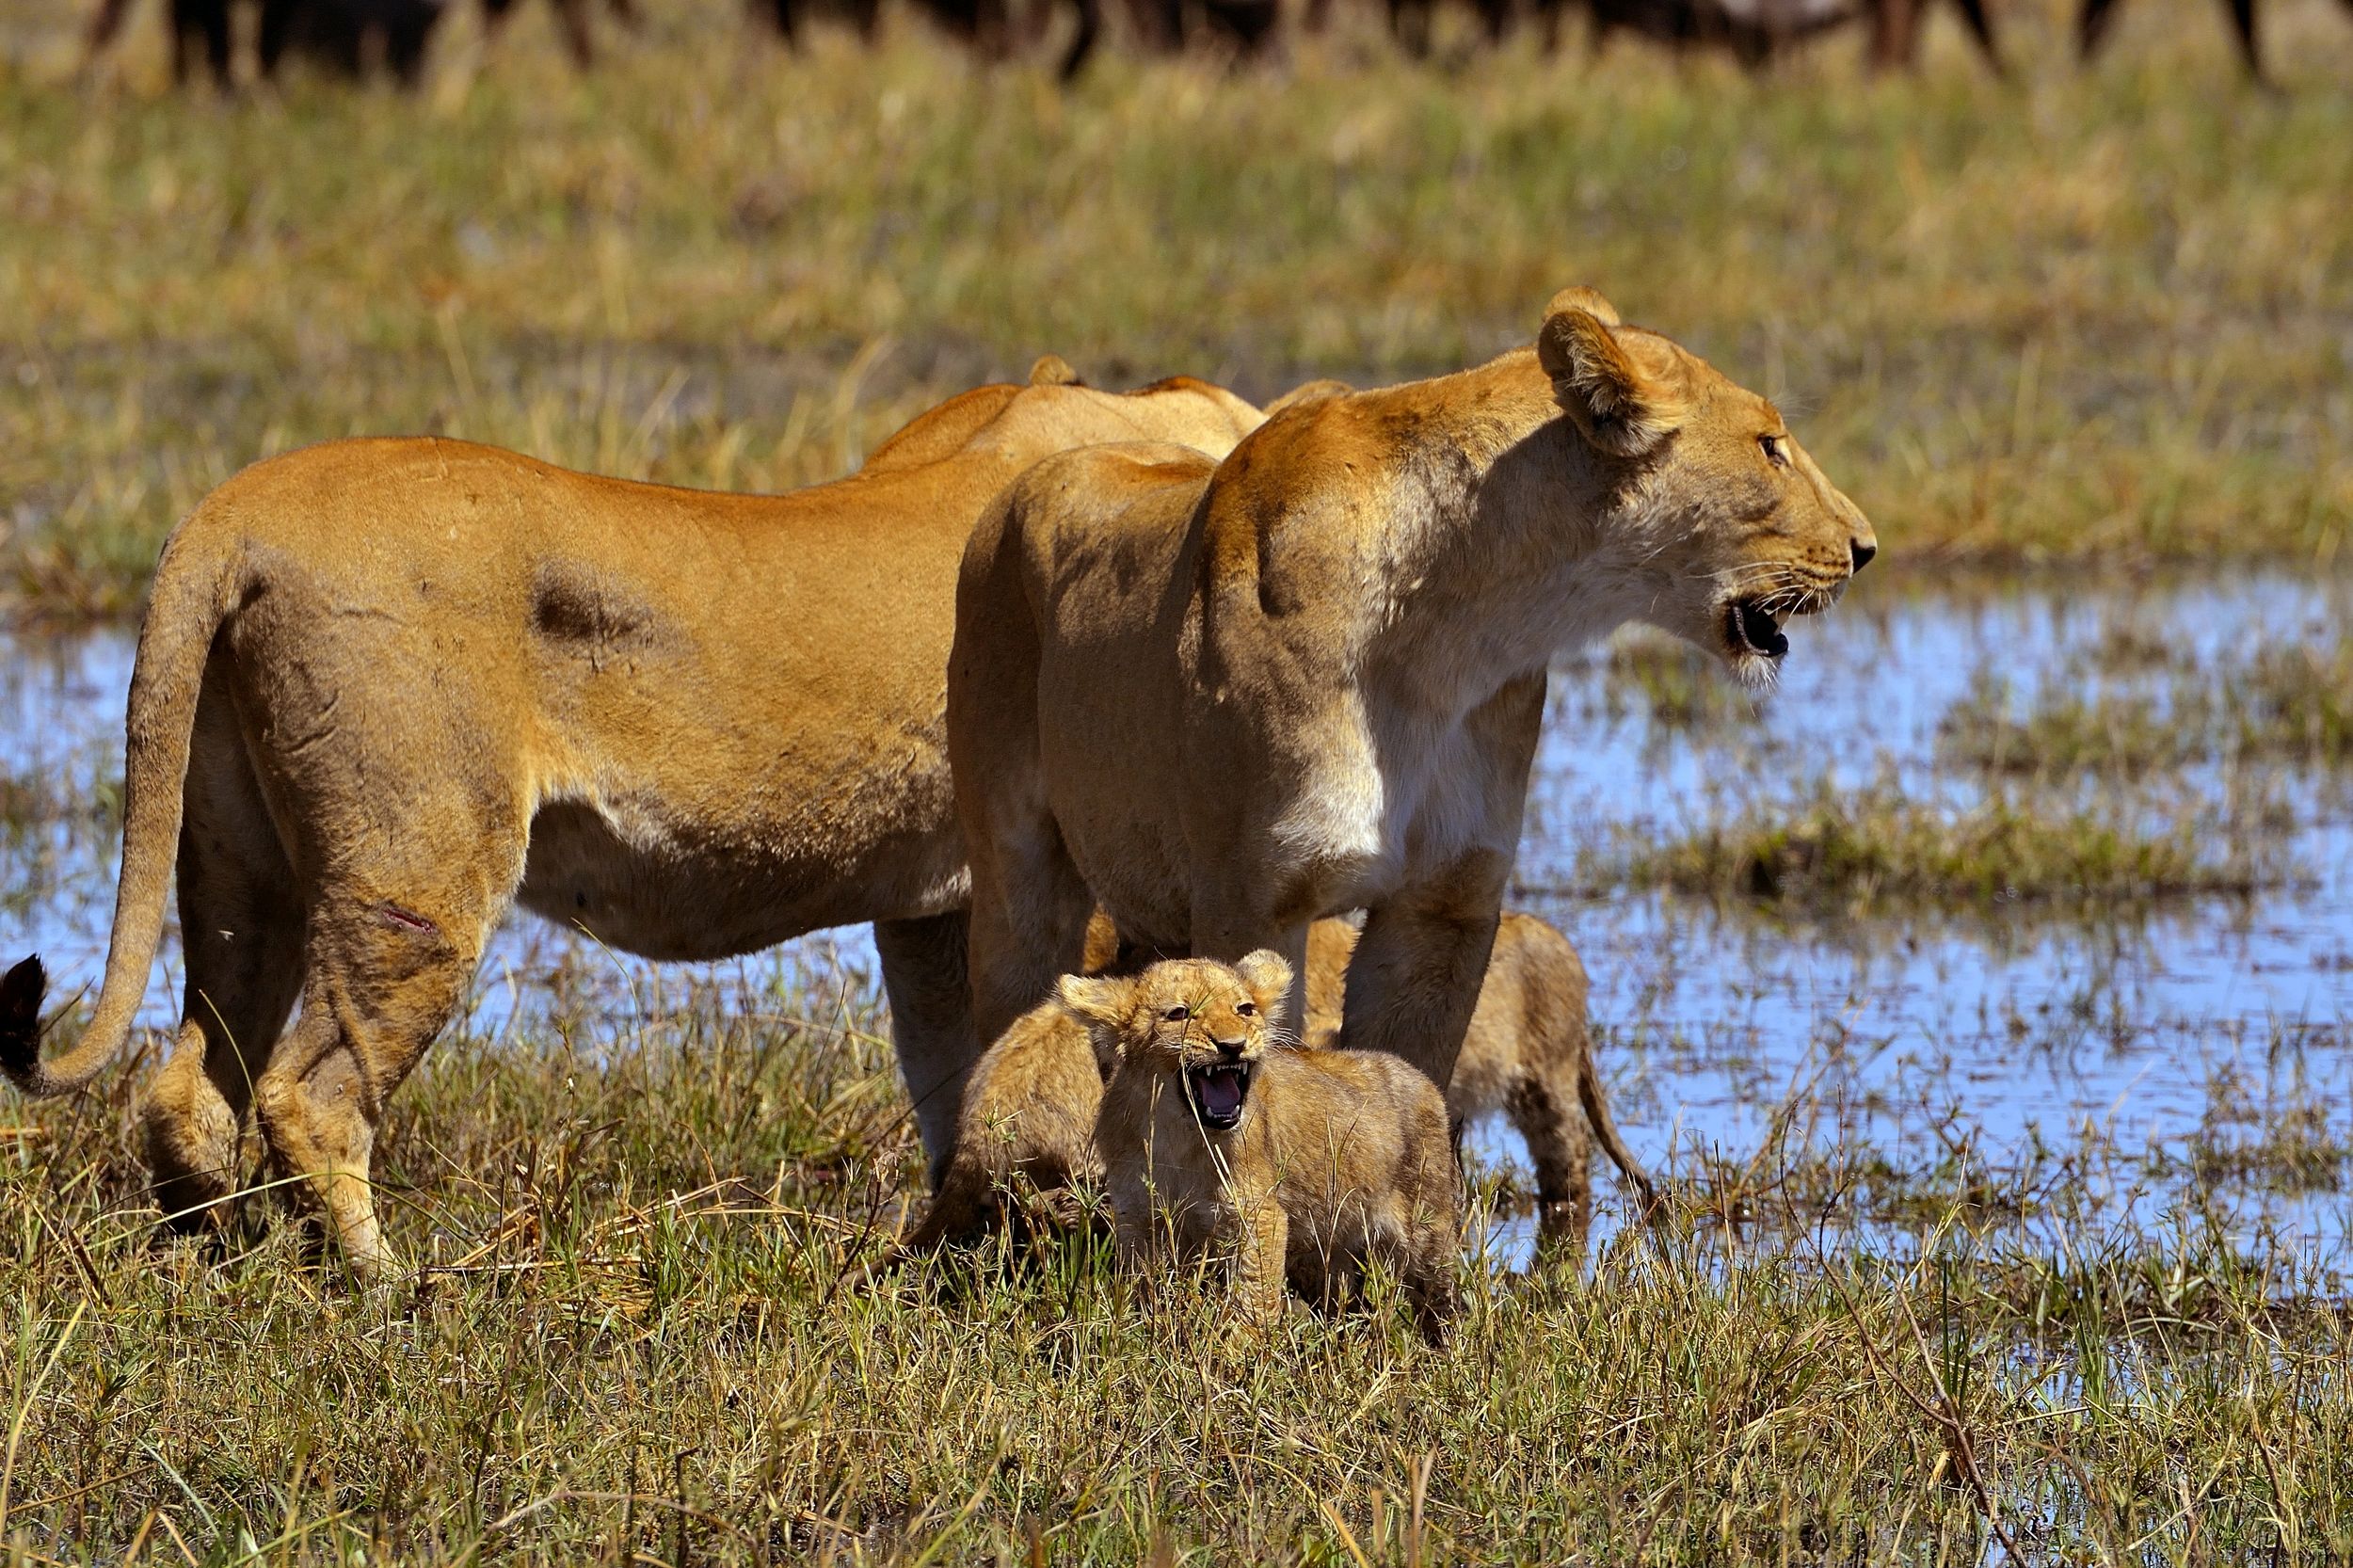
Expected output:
{"points": [[1983, 995]]}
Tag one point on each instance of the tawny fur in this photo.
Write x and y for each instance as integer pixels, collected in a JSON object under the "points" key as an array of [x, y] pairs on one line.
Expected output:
{"points": [[1026, 1127], [1341, 1160], [384, 688], [1220, 700], [1528, 1055], [1030, 1103]]}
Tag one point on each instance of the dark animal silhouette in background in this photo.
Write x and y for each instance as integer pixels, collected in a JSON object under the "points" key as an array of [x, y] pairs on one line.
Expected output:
{"points": [[348, 37], [788, 16], [2097, 17], [571, 20], [1895, 33], [200, 34], [355, 37]]}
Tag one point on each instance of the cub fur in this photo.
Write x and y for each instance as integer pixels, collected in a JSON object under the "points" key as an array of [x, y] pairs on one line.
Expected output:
{"points": [[1218, 1140], [1030, 1106], [1027, 1125], [1529, 1054]]}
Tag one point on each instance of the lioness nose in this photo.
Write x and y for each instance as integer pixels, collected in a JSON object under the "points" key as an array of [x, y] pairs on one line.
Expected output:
{"points": [[1862, 553], [1231, 1047]]}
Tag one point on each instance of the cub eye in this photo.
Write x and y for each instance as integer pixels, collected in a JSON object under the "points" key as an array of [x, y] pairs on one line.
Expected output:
{"points": [[1776, 450], [1244, 1009], [1178, 1013]]}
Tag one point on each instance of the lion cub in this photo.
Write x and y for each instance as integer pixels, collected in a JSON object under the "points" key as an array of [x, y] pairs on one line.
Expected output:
{"points": [[1305, 1165], [1529, 1054], [1027, 1125], [1028, 1118]]}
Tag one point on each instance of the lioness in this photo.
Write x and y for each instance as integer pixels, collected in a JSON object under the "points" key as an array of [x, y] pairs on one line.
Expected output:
{"points": [[1308, 1166], [1223, 699], [385, 687], [1030, 1103]]}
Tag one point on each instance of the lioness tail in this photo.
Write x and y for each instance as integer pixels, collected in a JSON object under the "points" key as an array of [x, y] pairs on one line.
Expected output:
{"points": [[196, 584]]}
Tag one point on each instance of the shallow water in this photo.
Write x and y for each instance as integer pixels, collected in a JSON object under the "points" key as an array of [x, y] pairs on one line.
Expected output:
{"points": [[2051, 1062]]}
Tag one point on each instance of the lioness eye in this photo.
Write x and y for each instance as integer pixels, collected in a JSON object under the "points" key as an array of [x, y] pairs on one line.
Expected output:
{"points": [[1776, 450], [1244, 1009], [1178, 1015]]}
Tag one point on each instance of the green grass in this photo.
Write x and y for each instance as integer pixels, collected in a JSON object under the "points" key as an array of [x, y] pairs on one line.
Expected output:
{"points": [[2290, 704], [635, 1342], [2082, 318], [1880, 846]]}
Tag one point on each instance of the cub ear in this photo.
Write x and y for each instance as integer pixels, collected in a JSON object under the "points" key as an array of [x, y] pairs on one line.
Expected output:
{"points": [[1052, 369], [1622, 406], [1267, 975], [1098, 999]]}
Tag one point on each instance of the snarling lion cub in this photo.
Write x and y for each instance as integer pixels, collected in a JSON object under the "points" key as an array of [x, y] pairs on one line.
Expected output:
{"points": [[1223, 699], [387, 687], [1028, 1125], [1306, 1165]]}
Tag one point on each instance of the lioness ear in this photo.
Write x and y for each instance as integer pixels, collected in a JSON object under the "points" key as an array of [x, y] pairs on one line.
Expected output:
{"points": [[1620, 406], [1579, 297], [1267, 975]]}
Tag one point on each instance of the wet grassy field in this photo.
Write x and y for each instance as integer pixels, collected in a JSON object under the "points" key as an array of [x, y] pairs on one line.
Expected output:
{"points": [[1983, 996], [2000, 1208]]}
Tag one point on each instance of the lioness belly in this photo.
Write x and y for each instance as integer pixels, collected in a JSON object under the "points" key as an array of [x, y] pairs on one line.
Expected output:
{"points": [[661, 894]]}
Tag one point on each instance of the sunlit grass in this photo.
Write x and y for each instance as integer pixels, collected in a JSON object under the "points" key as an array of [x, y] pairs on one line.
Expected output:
{"points": [[2291, 703], [631, 1335], [1879, 846]]}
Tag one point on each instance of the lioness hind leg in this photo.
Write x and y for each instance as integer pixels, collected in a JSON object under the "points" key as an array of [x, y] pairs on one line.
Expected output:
{"points": [[241, 925], [384, 980]]}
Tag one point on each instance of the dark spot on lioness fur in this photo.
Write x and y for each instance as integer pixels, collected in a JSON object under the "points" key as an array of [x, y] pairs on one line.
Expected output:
{"points": [[586, 611]]}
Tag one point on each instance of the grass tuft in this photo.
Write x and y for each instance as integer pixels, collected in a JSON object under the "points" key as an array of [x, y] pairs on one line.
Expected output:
{"points": [[1853, 849]]}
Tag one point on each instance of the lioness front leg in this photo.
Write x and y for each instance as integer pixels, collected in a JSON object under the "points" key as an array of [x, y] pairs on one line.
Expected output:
{"points": [[1413, 980], [929, 988]]}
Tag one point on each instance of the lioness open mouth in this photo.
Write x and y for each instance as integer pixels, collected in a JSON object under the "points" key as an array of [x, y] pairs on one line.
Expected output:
{"points": [[1217, 1092], [1750, 628]]}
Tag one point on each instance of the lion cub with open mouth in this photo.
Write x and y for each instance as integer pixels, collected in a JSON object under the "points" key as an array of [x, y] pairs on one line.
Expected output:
{"points": [[1216, 1137]]}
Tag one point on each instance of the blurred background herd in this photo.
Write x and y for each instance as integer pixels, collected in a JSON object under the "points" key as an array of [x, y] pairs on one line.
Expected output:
{"points": [[359, 38]]}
